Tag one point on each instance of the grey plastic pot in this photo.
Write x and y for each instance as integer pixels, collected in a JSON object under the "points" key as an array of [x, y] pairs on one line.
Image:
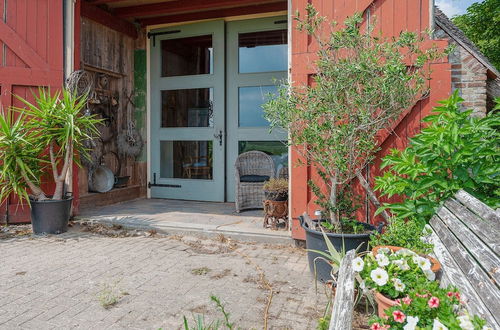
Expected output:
{"points": [[50, 216], [315, 241]]}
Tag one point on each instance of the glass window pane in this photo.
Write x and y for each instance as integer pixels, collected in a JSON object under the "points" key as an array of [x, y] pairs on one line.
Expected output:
{"points": [[186, 159], [276, 149], [186, 56], [264, 51], [251, 113], [187, 108]]}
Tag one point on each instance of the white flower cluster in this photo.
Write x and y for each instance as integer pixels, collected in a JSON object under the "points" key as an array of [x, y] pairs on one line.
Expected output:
{"points": [[385, 258]]}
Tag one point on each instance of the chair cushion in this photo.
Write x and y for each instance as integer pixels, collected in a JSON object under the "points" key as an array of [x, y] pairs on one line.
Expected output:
{"points": [[254, 178]]}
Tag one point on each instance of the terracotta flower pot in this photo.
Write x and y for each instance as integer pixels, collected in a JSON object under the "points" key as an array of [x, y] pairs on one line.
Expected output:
{"points": [[435, 264], [383, 303]]}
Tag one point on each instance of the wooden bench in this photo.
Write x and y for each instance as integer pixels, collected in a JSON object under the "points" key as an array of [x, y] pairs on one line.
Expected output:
{"points": [[466, 238]]}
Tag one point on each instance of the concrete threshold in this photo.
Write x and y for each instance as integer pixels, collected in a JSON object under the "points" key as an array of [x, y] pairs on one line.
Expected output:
{"points": [[187, 218]]}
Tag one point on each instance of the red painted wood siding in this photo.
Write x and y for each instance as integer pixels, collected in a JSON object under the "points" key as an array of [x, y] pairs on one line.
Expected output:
{"points": [[392, 17], [31, 55]]}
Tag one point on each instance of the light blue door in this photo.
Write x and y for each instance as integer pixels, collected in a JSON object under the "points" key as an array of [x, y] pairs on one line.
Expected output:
{"points": [[187, 144], [257, 60]]}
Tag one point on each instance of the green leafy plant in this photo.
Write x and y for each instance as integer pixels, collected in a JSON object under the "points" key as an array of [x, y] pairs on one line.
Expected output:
{"points": [[427, 306], [393, 274], [362, 84], [201, 324], [47, 135], [455, 151], [406, 234]]}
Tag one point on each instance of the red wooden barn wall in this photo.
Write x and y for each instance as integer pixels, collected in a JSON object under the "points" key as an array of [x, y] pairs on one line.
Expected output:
{"points": [[392, 17], [31, 55]]}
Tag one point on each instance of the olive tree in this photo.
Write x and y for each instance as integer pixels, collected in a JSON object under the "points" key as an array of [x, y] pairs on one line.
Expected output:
{"points": [[363, 83]]}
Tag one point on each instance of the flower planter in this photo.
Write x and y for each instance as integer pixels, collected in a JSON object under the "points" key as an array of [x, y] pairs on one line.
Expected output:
{"points": [[383, 303], [435, 264], [315, 241], [50, 216]]}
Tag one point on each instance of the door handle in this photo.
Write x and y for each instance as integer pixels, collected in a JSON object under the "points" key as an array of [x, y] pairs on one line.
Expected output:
{"points": [[219, 136]]}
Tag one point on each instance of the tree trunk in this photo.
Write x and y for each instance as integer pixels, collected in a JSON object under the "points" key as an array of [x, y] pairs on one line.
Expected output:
{"points": [[371, 195], [333, 201], [61, 178], [36, 191]]}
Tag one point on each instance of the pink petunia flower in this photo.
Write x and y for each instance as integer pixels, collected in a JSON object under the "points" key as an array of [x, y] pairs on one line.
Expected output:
{"points": [[398, 302], [376, 326], [407, 300], [450, 294], [399, 316], [457, 294], [433, 302]]}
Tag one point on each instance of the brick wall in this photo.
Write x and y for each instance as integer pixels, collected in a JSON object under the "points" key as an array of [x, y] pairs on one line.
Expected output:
{"points": [[468, 75]]}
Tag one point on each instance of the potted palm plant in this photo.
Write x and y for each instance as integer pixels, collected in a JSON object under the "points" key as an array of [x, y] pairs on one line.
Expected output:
{"points": [[361, 86], [43, 137]]}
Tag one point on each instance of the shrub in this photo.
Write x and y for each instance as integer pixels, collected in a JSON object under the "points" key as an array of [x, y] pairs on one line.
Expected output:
{"points": [[407, 234], [455, 151]]}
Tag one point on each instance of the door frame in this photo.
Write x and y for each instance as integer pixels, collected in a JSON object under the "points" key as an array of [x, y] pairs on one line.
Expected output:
{"points": [[211, 189], [235, 80], [149, 28]]}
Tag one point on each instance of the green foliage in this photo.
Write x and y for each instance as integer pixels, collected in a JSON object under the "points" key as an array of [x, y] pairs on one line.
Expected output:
{"points": [[46, 135], [455, 151], [425, 306], [19, 153], [363, 82], [402, 233], [201, 323], [481, 24]]}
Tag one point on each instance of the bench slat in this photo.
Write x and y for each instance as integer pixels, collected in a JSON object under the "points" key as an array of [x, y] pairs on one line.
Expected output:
{"points": [[478, 207], [472, 272], [481, 228], [472, 245], [343, 303], [454, 276]]}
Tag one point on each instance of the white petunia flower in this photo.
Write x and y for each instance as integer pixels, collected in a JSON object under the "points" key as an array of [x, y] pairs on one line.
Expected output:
{"points": [[436, 325], [415, 259], [424, 263], [382, 259], [386, 251], [431, 276], [379, 276], [411, 323], [405, 252], [398, 285], [358, 264], [465, 322]]}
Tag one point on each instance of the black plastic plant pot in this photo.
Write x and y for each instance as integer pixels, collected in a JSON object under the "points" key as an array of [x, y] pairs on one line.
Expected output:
{"points": [[276, 196], [50, 216], [315, 241]]}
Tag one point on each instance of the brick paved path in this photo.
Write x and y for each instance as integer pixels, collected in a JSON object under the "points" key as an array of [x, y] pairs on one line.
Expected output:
{"points": [[58, 282]]}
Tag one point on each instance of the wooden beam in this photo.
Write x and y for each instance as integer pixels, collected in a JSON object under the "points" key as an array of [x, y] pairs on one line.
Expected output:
{"points": [[178, 7], [247, 10], [107, 19], [99, 2]]}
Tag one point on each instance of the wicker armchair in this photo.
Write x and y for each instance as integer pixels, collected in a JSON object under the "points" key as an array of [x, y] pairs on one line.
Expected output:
{"points": [[252, 170]]}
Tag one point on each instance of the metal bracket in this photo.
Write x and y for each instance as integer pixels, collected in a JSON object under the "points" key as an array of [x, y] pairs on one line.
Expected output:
{"points": [[154, 184], [154, 34]]}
